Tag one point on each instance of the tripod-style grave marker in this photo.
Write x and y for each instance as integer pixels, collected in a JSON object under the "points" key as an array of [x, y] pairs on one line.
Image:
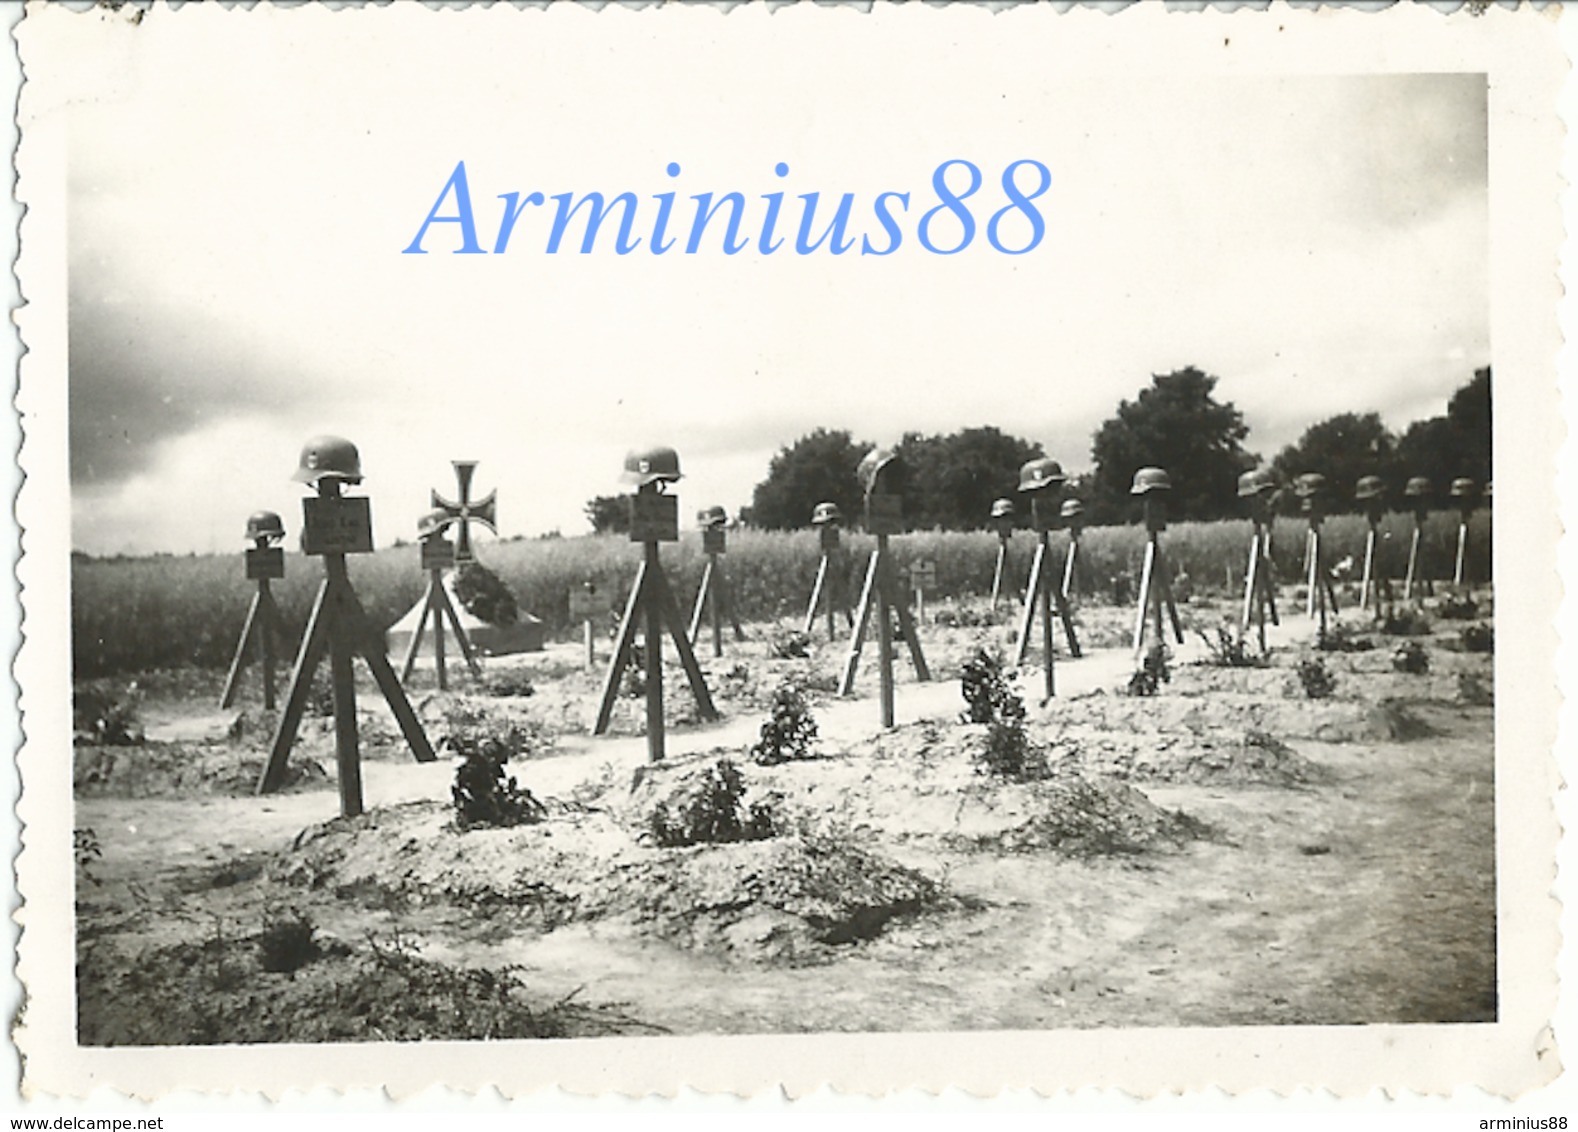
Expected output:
{"points": [[333, 526], [438, 555], [264, 561], [1073, 515], [1152, 486], [880, 474], [714, 591], [1003, 521], [1311, 490], [589, 605], [1417, 492], [1260, 584], [1370, 493], [831, 581], [654, 518], [464, 512], [1464, 492], [1042, 480]]}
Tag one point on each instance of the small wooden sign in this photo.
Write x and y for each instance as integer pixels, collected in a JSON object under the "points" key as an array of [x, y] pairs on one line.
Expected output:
{"points": [[829, 537], [438, 553], [713, 540], [654, 518], [885, 514], [923, 575], [590, 605], [265, 562], [1046, 510], [336, 525]]}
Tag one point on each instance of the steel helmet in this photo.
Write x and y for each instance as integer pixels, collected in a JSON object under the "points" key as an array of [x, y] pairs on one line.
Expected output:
{"points": [[325, 457], [1310, 483], [433, 522], [1037, 474], [1462, 488], [1072, 508], [1369, 487], [1147, 480], [825, 513], [1003, 509], [1256, 482], [712, 517], [265, 524], [651, 465], [1417, 485], [873, 464]]}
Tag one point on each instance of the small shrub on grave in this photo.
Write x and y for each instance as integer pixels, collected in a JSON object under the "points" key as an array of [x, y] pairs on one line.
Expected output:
{"points": [[1230, 652], [789, 732], [1405, 622], [483, 794], [985, 687], [709, 808], [286, 943], [1315, 678], [1342, 638], [320, 696], [1477, 638], [633, 682], [1153, 673], [1411, 658], [106, 717], [991, 699], [485, 595], [1456, 608], [791, 645]]}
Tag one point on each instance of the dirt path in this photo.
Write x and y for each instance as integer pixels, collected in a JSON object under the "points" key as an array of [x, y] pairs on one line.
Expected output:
{"points": [[1366, 898]]}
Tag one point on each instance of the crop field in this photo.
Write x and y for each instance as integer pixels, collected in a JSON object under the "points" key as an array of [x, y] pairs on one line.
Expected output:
{"points": [[1303, 836]]}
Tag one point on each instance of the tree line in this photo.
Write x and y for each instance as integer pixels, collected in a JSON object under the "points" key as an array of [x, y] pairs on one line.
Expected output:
{"points": [[1175, 423]]}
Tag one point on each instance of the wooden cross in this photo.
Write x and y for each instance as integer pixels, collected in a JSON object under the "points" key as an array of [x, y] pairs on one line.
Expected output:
{"points": [[654, 518], [1005, 533], [1260, 580], [1321, 590], [438, 554], [465, 512], [714, 592], [884, 516], [1373, 580], [334, 526], [831, 583], [1156, 588], [264, 620], [1041, 593]]}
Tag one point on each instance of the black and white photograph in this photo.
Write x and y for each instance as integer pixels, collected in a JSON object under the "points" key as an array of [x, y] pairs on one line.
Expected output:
{"points": [[820, 524]]}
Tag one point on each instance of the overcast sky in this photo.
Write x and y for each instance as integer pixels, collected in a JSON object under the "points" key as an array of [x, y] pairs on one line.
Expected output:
{"points": [[238, 208]]}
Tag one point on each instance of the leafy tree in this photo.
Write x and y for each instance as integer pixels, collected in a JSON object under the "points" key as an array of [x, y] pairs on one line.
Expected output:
{"points": [[608, 514], [1178, 425], [1342, 448], [953, 479], [818, 467], [1457, 444]]}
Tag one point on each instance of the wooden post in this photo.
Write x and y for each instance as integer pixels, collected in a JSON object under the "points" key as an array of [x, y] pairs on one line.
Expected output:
{"points": [[880, 595], [1462, 543], [1067, 589], [1146, 572], [654, 659], [997, 571], [1369, 569]]}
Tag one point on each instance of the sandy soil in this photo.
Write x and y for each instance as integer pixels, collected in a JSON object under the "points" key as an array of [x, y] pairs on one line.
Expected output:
{"points": [[1226, 852]]}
